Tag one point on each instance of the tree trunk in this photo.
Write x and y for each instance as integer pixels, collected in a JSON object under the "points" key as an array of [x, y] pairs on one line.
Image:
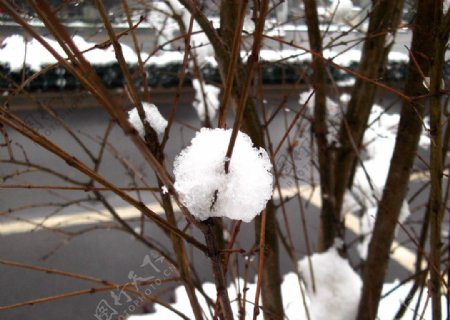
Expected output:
{"points": [[181, 257], [409, 130], [222, 43], [271, 283], [330, 226], [436, 163], [384, 19]]}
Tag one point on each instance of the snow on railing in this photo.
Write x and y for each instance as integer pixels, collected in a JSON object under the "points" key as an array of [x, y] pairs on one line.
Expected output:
{"points": [[20, 59]]}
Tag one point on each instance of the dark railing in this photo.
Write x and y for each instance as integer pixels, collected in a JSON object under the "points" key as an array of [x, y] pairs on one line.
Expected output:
{"points": [[57, 78]]}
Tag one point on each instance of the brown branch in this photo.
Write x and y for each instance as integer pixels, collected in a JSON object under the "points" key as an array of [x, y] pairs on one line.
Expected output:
{"points": [[14, 122], [137, 49], [402, 161], [234, 57], [42, 168], [436, 169], [187, 52], [299, 113], [252, 63], [101, 45], [214, 255], [262, 250], [347, 70], [86, 188], [330, 222], [85, 292]]}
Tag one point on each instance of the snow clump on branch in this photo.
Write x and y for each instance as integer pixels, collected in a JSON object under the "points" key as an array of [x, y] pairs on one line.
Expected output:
{"points": [[207, 191], [153, 117]]}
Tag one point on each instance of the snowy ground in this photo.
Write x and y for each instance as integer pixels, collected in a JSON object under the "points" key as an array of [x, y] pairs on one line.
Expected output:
{"points": [[336, 296]]}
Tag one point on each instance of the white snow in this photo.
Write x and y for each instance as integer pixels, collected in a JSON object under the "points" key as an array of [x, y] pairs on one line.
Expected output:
{"points": [[354, 55], [207, 191], [167, 57], [425, 141], [15, 51], [292, 300], [345, 97], [391, 303], [342, 10], [398, 56], [177, 8], [379, 139], [337, 286], [104, 56], [200, 44], [210, 100], [286, 55], [334, 112], [390, 39], [152, 115], [282, 12], [249, 24], [12, 52]]}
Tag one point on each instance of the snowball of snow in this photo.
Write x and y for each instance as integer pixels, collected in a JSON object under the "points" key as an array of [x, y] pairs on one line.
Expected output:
{"points": [[207, 191], [211, 96], [152, 115], [337, 286]]}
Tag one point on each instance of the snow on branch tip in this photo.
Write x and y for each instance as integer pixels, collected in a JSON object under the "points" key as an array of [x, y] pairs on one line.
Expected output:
{"points": [[207, 191]]}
